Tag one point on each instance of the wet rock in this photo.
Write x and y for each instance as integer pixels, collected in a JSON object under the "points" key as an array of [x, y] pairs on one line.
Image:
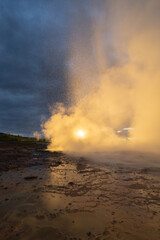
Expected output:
{"points": [[56, 163], [89, 234], [114, 221], [105, 232], [52, 215], [154, 213], [144, 170], [40, 217], [81, 166], [58, 153], [30, 178], [137, 186], [71, 183]]}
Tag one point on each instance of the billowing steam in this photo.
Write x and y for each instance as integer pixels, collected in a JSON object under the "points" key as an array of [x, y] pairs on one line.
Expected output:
{"points": [[114, 79]]}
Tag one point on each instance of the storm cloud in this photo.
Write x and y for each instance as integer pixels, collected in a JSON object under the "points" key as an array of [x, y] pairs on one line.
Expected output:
{"points": [[33, 51]]}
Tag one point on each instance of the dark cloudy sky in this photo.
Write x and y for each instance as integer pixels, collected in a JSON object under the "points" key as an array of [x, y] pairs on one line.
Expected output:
{"points": [[33, 50]]}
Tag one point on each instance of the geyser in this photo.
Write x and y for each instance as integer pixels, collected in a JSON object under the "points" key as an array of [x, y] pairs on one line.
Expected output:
{"points": [[114, 79]]}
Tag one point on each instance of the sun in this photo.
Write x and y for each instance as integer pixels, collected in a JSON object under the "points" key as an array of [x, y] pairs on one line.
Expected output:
{"points": [[80, 133]]}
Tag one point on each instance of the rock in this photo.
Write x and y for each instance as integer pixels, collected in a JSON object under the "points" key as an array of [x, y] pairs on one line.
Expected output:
{"points": [[40, 217], [30, 177], [71, 183], [56, 163], [89, 234]]}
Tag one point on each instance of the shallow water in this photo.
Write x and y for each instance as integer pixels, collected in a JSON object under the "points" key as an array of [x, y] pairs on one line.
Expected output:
{"points": [[80, 198]]}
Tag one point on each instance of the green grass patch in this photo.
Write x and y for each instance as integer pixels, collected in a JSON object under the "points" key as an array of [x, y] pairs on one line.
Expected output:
{"points": [[17, 138]]}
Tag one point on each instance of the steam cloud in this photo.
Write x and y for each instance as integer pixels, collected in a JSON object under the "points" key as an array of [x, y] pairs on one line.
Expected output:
{"points": [[114, 79]]}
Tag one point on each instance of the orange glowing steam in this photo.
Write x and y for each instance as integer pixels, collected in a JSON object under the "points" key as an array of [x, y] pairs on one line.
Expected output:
{"points": [[114, 81]]}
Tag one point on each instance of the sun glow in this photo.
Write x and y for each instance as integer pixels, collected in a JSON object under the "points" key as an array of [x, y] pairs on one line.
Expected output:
{"points": [[80, 133]]}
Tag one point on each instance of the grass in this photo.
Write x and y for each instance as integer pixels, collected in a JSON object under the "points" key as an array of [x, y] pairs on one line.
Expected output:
{"points": [[16, 138]]}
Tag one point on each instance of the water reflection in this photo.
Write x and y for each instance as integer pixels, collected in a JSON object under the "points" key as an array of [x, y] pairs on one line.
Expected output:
{"points": [[76, 198]]}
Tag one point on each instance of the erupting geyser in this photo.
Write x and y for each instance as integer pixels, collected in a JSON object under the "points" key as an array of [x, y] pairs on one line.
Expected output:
{"points": [[114, 80]]}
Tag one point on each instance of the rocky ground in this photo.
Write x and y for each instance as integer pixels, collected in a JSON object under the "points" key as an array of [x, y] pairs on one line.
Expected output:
{"points": [[49, 196]]}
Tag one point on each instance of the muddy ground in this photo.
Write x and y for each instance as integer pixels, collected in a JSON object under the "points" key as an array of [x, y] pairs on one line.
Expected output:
{"points": [[47, 196]]}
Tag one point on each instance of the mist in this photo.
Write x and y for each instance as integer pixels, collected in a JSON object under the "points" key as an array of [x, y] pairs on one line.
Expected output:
{"points": [[113, 79]]}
